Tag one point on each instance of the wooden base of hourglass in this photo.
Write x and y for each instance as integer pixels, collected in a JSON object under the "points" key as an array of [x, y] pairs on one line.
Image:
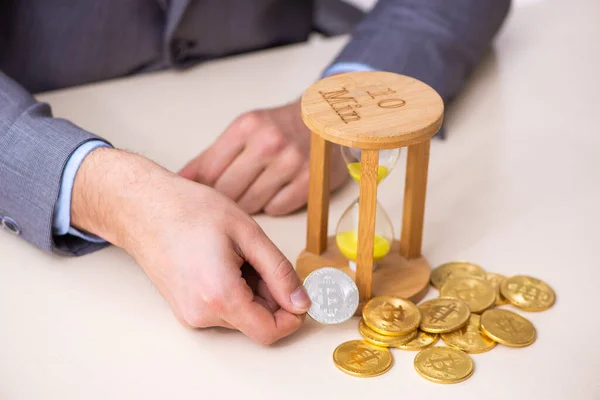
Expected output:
{"points": [[394, 275]]}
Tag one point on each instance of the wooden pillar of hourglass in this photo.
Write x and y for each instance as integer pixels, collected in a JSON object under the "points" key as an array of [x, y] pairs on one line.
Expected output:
{"points": [[371, 111]]}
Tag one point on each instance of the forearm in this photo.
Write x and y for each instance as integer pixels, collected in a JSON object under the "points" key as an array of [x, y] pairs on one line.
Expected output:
{"points": [[108, 190]]}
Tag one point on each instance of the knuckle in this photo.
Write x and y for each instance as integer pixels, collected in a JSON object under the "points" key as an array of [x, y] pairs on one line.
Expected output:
{"points": [[250, 120], [271, 142], [284, 270], [253, 231], [293, 159], [214, 300]]}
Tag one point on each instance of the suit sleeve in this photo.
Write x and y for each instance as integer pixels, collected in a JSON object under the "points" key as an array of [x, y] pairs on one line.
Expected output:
{"points": [[438, 42], [34, 149]]}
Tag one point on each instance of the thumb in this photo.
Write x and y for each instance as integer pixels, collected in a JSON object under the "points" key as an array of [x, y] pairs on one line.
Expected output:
{"points": [[275, 269]]}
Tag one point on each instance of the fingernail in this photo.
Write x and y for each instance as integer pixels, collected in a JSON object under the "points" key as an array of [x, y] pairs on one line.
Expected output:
{"points": [[300, 299]]}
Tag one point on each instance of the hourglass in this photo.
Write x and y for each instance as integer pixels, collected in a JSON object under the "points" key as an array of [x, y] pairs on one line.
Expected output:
{"points": [[371, 115], [346, 232]]}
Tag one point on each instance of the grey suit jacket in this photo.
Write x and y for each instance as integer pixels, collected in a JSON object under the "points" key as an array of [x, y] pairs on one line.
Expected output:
{"points": [[52, 44]]}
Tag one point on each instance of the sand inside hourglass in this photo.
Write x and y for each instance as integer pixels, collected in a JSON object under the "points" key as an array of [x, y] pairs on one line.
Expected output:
{"points": [[354, 170], [348, 244]]}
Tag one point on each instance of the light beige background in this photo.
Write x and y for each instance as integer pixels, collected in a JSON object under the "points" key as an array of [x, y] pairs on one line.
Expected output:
{"points": [[515, 188]]}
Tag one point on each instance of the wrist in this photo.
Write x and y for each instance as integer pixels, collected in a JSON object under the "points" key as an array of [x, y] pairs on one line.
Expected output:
{"points": [[108, 191]]}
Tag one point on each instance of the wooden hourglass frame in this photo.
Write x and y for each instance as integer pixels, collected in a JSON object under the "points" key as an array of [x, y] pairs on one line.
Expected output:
{"points": [[371, 111]]}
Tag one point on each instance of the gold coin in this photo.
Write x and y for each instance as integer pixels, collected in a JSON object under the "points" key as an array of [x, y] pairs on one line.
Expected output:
{"points": [[477, 293], [392, 316], [362, 359], [496, 280], [383, 340], [469, 338], [508, 328], [423, 340], [444, 365], [443, 314], [528, 293], [456, 268]]}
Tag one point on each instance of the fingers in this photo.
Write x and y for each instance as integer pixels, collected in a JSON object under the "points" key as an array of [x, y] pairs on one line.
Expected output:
{"points": [[279, 173], [257, 155], [294, 195], [276, 270], [236, 179], [235, 302], [291, 197], [259, 288], [262, 147], [260, 324], [209, 165], [266, 298]]}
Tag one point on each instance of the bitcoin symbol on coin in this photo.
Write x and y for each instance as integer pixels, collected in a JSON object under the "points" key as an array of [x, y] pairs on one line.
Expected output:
{"points": [[331, 296], [333, 293], [360, 358], [444, 365], [509, 325], [466, 293], [529, 293], [391, 313], [363, 356], [441, 362], [442, 312]]}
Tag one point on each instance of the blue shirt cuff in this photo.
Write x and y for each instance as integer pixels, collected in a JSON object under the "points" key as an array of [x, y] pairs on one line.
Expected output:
{"points": [[341, 67], [61, 223]]}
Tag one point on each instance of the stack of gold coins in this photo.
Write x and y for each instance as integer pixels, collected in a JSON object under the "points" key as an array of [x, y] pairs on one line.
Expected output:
{"points": [[387, 322], [464, 316]]}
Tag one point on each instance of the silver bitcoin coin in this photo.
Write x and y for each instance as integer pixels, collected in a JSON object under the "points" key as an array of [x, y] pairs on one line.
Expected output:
{"points": [[334, 295]]}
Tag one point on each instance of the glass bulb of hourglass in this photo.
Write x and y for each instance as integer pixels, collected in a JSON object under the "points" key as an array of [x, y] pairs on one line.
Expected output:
{"points": [[346, 233], [387, 161]]}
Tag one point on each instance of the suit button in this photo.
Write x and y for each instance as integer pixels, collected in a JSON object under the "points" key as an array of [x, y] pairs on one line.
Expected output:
{"points": [[11, 226]]}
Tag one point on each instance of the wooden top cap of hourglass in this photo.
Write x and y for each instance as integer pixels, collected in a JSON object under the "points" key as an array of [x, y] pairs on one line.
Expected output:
{"points": [[372, 110]]}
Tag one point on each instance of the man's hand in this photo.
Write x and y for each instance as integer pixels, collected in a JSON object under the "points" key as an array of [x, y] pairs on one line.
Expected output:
{"points": [[212, 263], [261, 161]]}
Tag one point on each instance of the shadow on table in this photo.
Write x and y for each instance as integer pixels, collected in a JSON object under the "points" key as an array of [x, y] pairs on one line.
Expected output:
{"points": [[308, 329]]}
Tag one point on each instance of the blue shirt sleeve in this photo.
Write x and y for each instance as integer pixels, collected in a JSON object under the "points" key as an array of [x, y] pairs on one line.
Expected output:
{"points": [[61, 222], [341, 67]]}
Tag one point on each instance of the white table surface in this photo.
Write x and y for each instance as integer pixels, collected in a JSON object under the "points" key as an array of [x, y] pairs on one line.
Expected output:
{"points": [[516, 188]]}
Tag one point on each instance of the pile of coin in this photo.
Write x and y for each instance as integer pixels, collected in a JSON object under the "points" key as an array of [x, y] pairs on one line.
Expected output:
{"points": [[464, 316]]}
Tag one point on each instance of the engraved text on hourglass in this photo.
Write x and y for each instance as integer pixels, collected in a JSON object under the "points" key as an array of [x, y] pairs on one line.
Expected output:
{"points": [[346, 106]]}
